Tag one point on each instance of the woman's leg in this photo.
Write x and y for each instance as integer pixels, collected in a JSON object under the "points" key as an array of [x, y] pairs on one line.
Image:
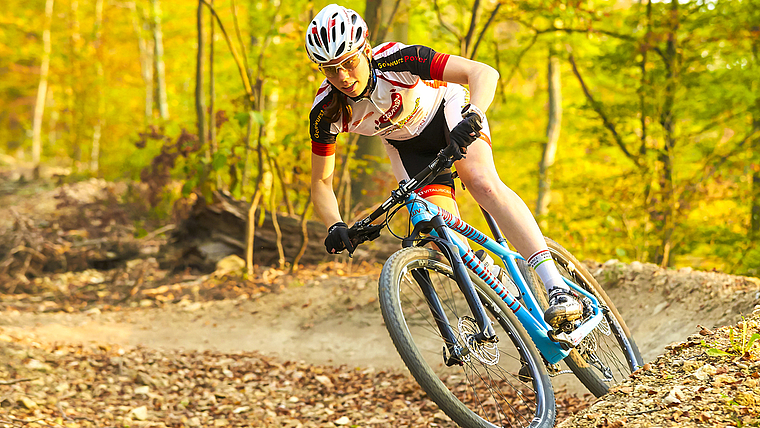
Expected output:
{"points": [[478, 172]]}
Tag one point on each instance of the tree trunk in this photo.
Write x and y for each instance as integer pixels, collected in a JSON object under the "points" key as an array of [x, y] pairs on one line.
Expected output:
{"points": [[158, 57], [75, 85], [247, 154], [212, 232], [552, 136], [146, 61], [251, 232], [666, 204], [755, 147], [200, 109], [39, 105], [275, 222], [305, 233], [54, 116], [100, 83], [211, 89]]}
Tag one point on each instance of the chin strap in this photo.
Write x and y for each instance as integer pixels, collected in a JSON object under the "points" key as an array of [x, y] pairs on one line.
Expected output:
{"points": [[371, 84]]}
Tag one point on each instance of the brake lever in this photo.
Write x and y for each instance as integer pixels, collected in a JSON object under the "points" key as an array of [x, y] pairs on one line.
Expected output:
{"points": [[364, 234]]}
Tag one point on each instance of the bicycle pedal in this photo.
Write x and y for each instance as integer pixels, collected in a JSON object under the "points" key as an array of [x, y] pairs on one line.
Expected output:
{"points": [[569, 326]]}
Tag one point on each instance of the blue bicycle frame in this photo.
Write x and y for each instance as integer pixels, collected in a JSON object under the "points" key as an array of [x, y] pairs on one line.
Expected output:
{"points": [[553, 351]]}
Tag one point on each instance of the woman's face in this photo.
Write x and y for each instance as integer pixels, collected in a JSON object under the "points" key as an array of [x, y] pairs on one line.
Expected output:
{"points": [[349, 73]]}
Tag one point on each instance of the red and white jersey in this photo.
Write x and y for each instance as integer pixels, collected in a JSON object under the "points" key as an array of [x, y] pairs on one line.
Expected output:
{"points": [[407, 94]]}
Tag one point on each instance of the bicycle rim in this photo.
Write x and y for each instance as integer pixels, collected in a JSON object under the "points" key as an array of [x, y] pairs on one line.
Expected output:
{"points": [[484, 391]]}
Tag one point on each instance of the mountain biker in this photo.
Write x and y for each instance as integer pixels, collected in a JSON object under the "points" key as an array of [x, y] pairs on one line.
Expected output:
{"points": [[413, 98]]}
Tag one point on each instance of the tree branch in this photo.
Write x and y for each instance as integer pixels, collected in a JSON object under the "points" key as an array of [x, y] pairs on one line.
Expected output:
{"points": [[267, 40], [15, 381], [483, 31], [712, 168], [597, 108], [235, 55], [520, 56], [445, 24], [471, 30], [587, 30], [554, 29], [240, 38], [717, 121], [384, 31]]}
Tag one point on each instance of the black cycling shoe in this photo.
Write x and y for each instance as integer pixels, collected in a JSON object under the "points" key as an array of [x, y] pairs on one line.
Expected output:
{"points": [[564, 306]]}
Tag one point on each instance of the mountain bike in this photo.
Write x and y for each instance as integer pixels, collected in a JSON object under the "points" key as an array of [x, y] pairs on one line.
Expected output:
{"points": [[477, 344]]}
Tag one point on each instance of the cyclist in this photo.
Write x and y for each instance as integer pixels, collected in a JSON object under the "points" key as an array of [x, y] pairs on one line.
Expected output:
{"points": [[413, 98]]}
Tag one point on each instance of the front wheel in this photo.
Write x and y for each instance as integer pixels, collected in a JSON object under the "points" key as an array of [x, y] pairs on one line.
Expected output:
{"points": [[608, 355], [497, 384]]}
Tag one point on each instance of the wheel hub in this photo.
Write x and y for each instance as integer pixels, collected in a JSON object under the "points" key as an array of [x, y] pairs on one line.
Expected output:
{"points": [[486, 352]]}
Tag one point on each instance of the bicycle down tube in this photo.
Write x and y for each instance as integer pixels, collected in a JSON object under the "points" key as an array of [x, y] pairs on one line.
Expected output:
{"points": [[554, 352]]}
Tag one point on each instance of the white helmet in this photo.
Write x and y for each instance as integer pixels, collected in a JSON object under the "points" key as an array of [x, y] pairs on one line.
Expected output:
{"points": [[333, 32]]}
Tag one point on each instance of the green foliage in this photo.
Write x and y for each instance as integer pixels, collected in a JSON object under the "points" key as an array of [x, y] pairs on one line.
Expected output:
{"points": [[740, 342]]}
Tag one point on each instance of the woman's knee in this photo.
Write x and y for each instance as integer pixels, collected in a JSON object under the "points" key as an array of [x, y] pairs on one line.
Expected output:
{"points": [[484, 184]]}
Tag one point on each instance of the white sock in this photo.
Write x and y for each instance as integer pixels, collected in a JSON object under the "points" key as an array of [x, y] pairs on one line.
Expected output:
{"points": [[541, 261]]}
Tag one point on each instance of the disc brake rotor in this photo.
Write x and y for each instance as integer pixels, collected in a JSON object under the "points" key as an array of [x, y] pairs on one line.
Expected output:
{"points": [[487, 353]]}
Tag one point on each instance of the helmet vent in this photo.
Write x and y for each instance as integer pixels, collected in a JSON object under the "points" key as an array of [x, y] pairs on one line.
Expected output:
{"points": [[359, 32], [323, 34], [340, 49]]}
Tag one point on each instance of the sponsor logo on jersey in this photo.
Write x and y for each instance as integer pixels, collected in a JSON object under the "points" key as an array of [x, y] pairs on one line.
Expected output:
{"points": [[405, 58], [397, 105], [415, 58], [316, 124], [416, 113], [382, 65]]}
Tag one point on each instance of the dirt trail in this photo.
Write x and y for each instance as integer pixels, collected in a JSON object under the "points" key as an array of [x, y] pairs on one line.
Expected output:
{"points": [[337, 320]]}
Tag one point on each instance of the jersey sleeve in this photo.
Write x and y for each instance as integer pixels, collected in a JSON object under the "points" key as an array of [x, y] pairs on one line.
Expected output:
{"points": [[322, 132], [416, 59]]}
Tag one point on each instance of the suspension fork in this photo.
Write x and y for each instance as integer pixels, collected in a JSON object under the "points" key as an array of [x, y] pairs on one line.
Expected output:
{"points": [[445, 243]]}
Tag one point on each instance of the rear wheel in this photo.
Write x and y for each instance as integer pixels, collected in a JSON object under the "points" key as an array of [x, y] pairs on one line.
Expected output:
{"points": [[497, 384], [608, 355]]}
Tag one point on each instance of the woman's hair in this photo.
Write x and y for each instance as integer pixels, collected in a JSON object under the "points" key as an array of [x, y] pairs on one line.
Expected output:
{"points": [[338, 105]]}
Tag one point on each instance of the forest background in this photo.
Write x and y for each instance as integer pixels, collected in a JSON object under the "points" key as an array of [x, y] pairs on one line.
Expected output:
{"points": [[631, 128]]}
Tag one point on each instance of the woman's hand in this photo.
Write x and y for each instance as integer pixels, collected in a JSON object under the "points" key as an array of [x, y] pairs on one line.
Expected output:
{"points": [[337, 239], [467, 131]]}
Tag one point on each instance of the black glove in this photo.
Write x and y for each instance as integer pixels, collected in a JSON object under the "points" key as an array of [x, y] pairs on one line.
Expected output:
{"points": [[337, 239], [467, 131]]}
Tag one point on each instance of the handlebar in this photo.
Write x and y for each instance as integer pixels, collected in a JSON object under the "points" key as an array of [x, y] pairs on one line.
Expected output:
{"points": [[363, 230]]}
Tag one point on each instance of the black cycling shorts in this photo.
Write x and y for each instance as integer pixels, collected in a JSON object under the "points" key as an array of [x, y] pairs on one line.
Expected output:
{"points": [[417, 152]]}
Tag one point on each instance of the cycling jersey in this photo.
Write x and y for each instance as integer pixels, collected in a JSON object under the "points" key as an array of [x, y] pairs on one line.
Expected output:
{"points": [[408, 95]]}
